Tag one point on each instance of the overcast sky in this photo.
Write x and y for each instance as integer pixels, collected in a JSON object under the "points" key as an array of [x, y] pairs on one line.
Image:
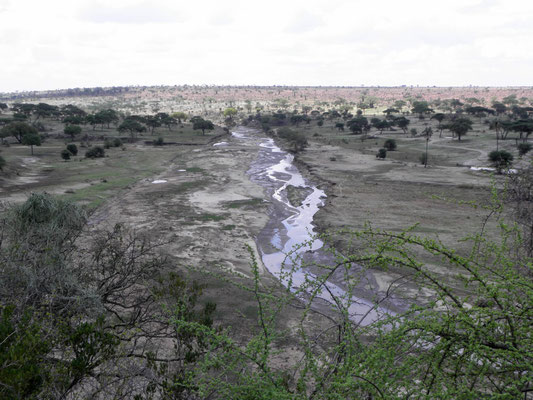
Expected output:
{"points": [[84, 43]]}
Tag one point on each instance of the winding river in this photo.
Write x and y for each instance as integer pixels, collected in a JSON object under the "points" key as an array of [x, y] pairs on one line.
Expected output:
{"points": [[289, 236]]}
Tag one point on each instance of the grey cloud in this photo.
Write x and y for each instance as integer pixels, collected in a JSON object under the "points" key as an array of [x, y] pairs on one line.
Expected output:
{"points": [[304, 22], [141, 13]]}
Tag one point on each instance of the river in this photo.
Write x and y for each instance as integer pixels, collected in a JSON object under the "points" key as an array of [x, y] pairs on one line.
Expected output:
{"points": [[289, 237]]}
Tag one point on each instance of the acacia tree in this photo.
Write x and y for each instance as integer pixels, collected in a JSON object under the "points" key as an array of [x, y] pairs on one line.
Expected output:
{"points": [[439, 117], [230, 113], [18, 130], [202, 124], [32, 139], [402, 123], [132, 126], [421, 108], [72, 130], [152, 123], [460, 126], [179, 116]]}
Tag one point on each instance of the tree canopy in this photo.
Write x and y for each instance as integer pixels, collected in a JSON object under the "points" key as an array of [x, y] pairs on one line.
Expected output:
{"points": [[202, 124], [460, 126], [18, 130]]}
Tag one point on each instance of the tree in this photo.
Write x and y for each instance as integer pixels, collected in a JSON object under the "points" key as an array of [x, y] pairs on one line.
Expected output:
{"points": [[380, 124], [230, 113], [296, 119], [70, 110], [390, 144], [72, 130], [203, 125], [132, 126], [358, 125], [18, 130], [65, 154], [297, 140], [43, 110], [402, 123], [460, 126], [399, 104], [478, 111], [499, 108], [94, 120], [3, 163], [391, 110], [166, 120], [524, 127], [32, 139], [179, 116], [339, 126], [421, 108], [500, 159], [3, 107], [152, 123], [382, 153], [108, 116], [67, 320], [72, 148], [428, 132], [74, 120], [510, 100], [455, 104], [439, 117], [24, 109]]}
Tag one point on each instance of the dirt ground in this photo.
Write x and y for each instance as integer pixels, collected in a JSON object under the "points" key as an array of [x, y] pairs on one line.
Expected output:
{"points": [[397, 193]]}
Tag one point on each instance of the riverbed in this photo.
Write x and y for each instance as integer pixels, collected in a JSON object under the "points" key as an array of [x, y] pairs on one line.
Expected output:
{"points": [[290, 248]]}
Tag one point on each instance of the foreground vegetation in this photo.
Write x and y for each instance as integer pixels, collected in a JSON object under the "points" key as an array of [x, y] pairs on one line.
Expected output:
{"points": [[107, 319]]}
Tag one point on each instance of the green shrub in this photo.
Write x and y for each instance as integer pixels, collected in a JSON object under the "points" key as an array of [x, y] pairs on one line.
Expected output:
{"points": [[95, 152], [524, 148], [501, 159], [117, 142], [382, 153], [65, 154], [423, 158], [2, 163], [159, 141], [72, 148], [390, 144]]}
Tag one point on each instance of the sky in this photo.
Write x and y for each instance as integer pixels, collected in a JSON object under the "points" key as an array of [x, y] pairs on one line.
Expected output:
{"points": [[57, 44]]}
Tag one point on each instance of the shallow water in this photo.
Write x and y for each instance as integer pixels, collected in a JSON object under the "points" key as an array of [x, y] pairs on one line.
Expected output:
{"points": [[290, 234]]}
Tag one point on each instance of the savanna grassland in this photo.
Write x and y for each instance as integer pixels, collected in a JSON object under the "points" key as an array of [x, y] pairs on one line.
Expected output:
{"points": [[160, 162]]}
